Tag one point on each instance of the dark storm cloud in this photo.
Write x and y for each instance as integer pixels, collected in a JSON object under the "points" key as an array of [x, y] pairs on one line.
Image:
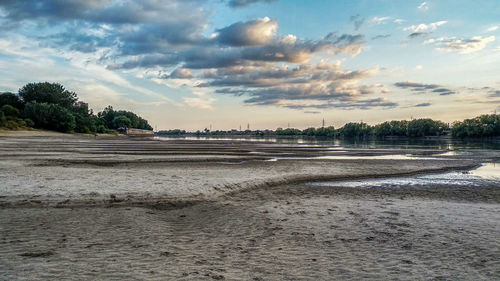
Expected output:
{"points": [[244, 3]]}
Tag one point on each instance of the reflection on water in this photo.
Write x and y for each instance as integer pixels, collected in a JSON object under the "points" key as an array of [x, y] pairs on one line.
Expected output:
{"points": [[361, 157], [488, 173], [441, 144]]}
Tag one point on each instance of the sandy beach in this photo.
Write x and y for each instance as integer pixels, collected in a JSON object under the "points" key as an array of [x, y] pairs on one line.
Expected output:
{"points": [[76, 207]]}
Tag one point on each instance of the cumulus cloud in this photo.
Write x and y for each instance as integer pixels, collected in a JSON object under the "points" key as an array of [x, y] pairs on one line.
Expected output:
{"points": [[249, 59], [463, 46], [318, 86], [252, 33], [424, 88], [424, 27], [244, 3], [180, 73]]}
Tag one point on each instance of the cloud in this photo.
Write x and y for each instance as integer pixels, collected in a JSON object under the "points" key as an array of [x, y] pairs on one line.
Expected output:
{"points": [[493, 28], [419, 67], [494, 93], [361, 104], [424, 27], [380, 20], [245, 3], [399, 21], [252, 33], [200, 101], [425, 104], [424, 6], [463, 46], [180, 73], [381, 36], [415, 86], [424, 88], [312, 112], [358, 21], [418, 34], [281, 49], [248, 58], [318, 86]]}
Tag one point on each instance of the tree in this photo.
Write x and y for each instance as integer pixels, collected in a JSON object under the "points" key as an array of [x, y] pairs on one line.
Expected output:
{"points": [[50, 116], [355, 130], [109, 115], [45, 92], [11, 99], [121, 121]]}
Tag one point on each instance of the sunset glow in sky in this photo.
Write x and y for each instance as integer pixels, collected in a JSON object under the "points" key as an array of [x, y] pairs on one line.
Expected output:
{"points": [[191, 63]]}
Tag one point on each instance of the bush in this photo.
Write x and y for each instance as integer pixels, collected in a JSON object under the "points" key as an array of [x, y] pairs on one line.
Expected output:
{"points": [[11, 125], [3, 120], [9, 110], [29, 122]]}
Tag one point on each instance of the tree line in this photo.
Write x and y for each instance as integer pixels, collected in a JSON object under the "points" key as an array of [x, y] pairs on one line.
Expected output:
{"points": [[482, 126], [50, 106]]}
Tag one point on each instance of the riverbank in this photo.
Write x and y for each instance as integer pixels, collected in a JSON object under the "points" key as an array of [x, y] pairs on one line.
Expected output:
{"points": [[119, 208]]}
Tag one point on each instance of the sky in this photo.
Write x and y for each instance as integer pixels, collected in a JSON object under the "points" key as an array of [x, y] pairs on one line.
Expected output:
{"points": [[192, 64]]}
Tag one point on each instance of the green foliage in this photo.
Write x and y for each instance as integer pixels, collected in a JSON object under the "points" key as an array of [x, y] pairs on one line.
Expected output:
{"points": [[109, 115], [3, 120], [172, 132], [50, 116], [85, 121], [29, 122], [9, 110], [45, 92], [121, 121], [50, 106], [11, 125], [481, 126], [288, 132], [355, 130], [425, 127], [391, 128], [11, 99]]}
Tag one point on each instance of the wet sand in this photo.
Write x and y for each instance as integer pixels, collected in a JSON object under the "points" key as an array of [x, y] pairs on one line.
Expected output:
{"points": [[112, 209]]}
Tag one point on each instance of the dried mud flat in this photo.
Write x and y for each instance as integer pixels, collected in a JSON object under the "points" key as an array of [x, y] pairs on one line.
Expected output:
{"points": [[242, 218]]}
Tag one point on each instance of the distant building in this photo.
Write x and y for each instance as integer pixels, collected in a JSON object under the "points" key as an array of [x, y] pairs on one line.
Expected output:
{"points": [[136, 132]]}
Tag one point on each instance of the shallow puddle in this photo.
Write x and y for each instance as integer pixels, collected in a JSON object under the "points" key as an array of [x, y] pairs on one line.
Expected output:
{"points": [[488, 173]]}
